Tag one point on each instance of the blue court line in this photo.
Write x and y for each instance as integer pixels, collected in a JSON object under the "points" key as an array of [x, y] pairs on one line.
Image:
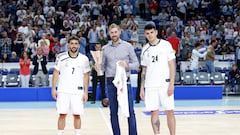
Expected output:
{"points": [[199, 112], [178, 103]]}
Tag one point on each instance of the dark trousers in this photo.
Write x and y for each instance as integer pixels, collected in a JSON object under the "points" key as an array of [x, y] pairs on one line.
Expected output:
{"points": [[142, 10], [112, 96], [95, 80]]}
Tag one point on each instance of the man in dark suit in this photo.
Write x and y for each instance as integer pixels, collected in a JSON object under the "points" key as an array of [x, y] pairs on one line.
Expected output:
{"points": [[40, 69]]}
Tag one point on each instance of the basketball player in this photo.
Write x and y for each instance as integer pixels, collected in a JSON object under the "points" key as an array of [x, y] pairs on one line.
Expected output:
{"points": [[158, 74], [72, 73]]}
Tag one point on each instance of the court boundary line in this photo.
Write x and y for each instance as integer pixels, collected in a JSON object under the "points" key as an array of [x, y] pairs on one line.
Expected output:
{"points": [[105, 121]]}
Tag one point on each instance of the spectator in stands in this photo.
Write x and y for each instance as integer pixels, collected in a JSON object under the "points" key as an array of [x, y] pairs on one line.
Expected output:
{"points": [[40, 69], [39, 18], [187, 44], [49, 9], [96, 9], [153, 6], [125, 33], [103, 40], [210, 57], [97, 72], [55, 49], [117, 9], [75, 28], [21, 13], [175, 42], [86, 6], [70, 17], [197, 52], [142, 8], [44, 40], [18, 43], [5, 44], [35, 5], [14, 57], [100, 26], [66, 29], [24, 63], [12, 32], [228, 33], [63, 43], [163, 18], [164, 4], [189, 28], [4, 58], [127, 9], [182, 9], [115, 20], [134, 33], [32, 46], [82, 42], [26, 48], [234, 75], [92, 37]]}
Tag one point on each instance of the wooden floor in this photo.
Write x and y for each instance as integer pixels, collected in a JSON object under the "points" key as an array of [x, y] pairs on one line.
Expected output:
{"points": [[95, 121]]}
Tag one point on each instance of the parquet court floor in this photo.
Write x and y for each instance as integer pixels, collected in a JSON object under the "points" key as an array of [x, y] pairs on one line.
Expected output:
{"points": [[194, 117]]}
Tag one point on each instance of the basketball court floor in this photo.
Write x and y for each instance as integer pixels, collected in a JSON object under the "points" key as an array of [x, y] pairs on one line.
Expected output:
{"points": [[194, 117]]}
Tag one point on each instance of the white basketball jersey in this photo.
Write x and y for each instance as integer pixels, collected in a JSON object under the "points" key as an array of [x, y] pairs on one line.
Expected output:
{"points": [[156, 58], [71, 77]]}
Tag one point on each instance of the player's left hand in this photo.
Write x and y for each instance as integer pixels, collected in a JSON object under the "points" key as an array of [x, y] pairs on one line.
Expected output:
{"points": [[170, 90], [85, 97]]}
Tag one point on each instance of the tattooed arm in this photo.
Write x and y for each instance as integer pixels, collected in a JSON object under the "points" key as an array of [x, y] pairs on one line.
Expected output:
{"points": [[143, 75]]}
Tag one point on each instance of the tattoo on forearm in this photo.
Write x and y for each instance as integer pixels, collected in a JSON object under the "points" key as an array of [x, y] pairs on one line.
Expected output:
{"points": [[143, 78], [157, 124]]}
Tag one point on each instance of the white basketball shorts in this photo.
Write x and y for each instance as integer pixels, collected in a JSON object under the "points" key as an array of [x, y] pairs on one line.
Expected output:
{"points": [[154, 97], [70, 103]]}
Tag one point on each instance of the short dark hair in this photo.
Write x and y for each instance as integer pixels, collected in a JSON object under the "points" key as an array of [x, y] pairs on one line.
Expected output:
{"points": [[213, 41], [150, 26], [73, 38], [197, 44]]}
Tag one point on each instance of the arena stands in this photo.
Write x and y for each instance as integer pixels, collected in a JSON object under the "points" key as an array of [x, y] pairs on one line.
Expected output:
{"points": [[52, 21]]}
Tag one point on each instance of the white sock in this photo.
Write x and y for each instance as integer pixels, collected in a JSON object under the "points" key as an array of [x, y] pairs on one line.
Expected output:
{"points": [[60, 132], [77, 131], [157, 134]]}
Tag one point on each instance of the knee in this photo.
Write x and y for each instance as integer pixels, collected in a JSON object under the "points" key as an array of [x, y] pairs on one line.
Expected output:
{"points": [[62, 116], [169, 112], [154, 113], [76, 116]]}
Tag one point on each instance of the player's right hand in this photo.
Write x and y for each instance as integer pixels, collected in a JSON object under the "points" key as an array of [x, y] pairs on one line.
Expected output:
{"points": [[54, 94], [142, 94]]}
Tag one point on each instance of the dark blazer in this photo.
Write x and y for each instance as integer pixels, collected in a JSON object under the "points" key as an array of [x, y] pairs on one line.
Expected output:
{"points": [[43, 63]]}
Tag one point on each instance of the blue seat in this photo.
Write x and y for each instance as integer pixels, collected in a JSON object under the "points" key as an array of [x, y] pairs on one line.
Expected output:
{"points": [[14, 71], [3, 71], [12, 80]]}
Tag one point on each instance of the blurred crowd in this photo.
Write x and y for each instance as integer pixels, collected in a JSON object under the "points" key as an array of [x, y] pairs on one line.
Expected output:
{"points": [[28, 24]]}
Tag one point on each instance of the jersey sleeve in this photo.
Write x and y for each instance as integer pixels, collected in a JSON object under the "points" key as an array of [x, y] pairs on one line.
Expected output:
{"points": [[86, 65], [57, 63], [170, 52], [143, 57]]}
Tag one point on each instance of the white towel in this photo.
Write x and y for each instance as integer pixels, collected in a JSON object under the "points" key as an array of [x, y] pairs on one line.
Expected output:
{"points": [[120, 82]]}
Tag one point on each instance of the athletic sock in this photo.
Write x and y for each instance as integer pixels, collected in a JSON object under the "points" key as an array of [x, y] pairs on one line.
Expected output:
{"points": [[77, 131], [60, 132]]}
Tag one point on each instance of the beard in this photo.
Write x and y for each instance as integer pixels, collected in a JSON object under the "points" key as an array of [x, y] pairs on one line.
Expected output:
{"points": [[74, 50], [115, 38]]}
